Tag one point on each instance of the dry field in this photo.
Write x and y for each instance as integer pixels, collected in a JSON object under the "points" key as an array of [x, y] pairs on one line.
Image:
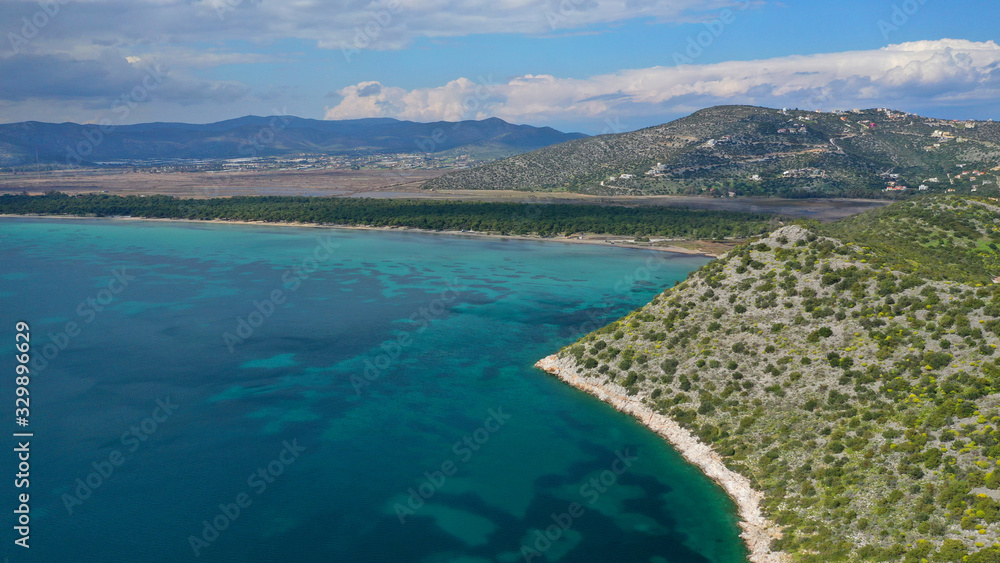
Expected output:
{"points": [[384, 184]]}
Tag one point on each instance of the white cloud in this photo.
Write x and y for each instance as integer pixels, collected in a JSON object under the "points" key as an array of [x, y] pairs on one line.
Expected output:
{"points": [[332, 24], [457, 100], [929, 72]]}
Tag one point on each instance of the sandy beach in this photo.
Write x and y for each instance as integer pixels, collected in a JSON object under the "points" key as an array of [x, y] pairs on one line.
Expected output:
{"points": [[757, 530], [602, 240]]}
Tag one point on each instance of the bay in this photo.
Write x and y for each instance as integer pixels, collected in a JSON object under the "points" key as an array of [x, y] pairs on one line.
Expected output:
{"points": [[306, 394]]}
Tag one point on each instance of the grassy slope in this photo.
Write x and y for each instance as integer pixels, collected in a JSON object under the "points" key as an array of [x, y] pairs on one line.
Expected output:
{"points": [[862, 399]]}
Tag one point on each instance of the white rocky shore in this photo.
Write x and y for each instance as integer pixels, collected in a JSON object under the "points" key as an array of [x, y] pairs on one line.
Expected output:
{"points": [[757, 530]]}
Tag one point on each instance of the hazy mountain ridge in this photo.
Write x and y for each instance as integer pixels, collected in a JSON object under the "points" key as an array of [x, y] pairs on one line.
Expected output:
{"points": [[750, 150], [252, 136]]}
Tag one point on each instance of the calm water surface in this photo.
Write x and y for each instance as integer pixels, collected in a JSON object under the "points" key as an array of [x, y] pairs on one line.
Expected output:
{"points": [[257, 394]]}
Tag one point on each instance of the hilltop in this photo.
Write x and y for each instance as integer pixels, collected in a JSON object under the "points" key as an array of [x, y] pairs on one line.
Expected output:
{"points": [[746, 150], [254, 136], [855, 384]]}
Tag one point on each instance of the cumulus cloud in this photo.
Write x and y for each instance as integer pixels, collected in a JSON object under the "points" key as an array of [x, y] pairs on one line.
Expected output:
{"points": [[457, 100], [933, 72]]}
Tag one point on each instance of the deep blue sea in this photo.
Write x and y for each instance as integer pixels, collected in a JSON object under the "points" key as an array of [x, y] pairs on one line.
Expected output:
{"points": [[279, 394]]}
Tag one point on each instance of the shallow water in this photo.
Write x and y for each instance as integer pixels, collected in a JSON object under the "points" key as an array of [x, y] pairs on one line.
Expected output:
{"points": [[381, 382]]}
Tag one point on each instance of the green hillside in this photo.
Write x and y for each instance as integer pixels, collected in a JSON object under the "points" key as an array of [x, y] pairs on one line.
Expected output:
{"points": [[759, 151], [856, 385]]}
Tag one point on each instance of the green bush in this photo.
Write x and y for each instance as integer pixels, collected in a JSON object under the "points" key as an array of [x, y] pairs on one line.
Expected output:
{"points": [[669, 366]]}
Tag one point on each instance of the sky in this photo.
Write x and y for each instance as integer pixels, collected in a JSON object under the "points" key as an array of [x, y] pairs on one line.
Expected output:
{"points": [[594, 66]]}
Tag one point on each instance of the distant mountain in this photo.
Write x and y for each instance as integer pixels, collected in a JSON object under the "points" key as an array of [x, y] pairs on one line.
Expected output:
{"points": [[266, 136], [759, 151]]}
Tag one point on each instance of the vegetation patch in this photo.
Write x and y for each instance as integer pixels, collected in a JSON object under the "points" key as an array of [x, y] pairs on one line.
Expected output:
{"points": [[853, 380], [488, 217]]}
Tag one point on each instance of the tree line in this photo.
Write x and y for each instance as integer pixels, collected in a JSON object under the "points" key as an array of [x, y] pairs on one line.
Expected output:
{"points": [[543, 219]]}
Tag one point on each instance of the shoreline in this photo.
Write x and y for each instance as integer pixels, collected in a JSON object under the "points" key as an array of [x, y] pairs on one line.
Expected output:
{"points": [[757, 531], [591, 241]]}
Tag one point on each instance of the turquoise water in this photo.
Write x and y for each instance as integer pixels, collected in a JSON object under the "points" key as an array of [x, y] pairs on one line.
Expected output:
{"points": [[256, 394]]}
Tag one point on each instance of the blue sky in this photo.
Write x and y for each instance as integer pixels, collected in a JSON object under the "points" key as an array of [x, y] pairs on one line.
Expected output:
{"points": [[587, 65]]}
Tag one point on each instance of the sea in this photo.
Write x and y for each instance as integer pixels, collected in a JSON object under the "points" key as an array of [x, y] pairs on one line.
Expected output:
{"points": [[246, 393]]}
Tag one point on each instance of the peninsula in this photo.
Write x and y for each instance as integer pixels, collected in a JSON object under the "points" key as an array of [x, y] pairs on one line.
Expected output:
{"points": [[840, 378]]}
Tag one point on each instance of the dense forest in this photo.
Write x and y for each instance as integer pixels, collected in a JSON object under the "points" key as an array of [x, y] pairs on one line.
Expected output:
{"points": [[491, 217]]}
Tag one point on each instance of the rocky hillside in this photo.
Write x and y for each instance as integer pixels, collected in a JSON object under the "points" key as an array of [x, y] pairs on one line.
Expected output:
{"points": [[862, 398], [759, 151]]}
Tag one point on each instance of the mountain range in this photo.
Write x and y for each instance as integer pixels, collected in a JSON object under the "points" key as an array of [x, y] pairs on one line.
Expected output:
{"points": [[252, 136]]}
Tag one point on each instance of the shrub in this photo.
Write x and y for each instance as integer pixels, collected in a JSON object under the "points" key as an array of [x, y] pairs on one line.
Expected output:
{"points": [[669, 366], [988, 555], [630, 379], [952, 551]]}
